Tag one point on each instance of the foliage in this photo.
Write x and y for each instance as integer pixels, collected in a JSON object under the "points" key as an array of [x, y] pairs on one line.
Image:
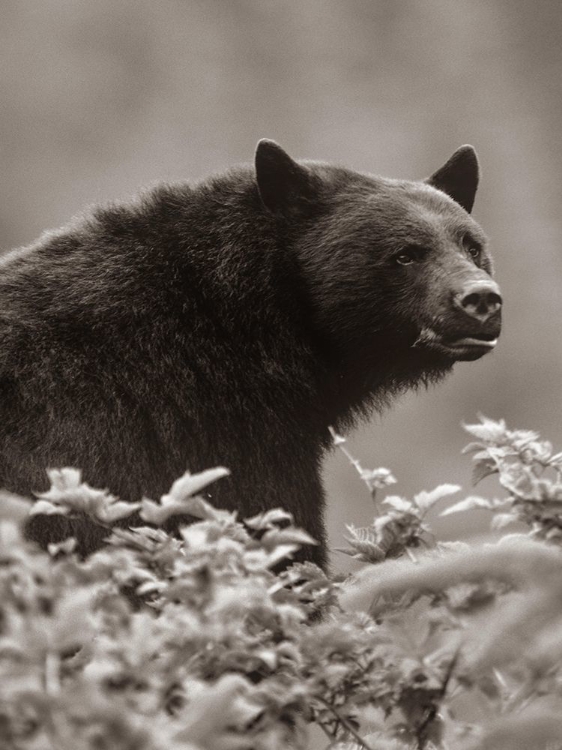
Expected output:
{"points": [[200, 643]]}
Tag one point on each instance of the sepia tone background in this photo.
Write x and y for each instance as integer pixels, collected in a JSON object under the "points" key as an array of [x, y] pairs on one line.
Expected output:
{"points": [[99, 99]]}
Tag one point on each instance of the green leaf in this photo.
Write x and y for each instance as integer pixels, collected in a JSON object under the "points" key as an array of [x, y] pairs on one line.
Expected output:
{"points": [[425, 500], [377, 478], [115, 510], [500, 520], [469, 503], [158, 514], [482, 469], [292, 535], [64, 479], [269, 519], [45, 508], [399, 503], [190, 484], [363, 545], [66, 547], [177, 504], [488, 430], [13, 507], [68, 493]]}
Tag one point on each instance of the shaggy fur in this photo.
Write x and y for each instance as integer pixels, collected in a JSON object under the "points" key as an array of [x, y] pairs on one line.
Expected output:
{"points": [[230, 322]]}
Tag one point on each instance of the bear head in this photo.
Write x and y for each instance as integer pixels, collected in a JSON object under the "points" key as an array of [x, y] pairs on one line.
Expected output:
{"points": [[397, 274]]}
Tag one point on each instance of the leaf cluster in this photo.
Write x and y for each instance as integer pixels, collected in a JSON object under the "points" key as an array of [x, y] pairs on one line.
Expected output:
{"points": [[214, 640]]}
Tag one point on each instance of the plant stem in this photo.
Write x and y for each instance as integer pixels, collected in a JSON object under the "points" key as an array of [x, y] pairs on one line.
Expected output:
{"points": [[348, 727]]}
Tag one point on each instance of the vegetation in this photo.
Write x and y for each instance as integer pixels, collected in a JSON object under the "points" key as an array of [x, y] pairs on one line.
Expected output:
{"points": [[197, 643]]}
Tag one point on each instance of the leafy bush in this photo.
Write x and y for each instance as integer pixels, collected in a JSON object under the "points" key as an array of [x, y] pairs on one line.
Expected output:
{"points": [[429, 645]]}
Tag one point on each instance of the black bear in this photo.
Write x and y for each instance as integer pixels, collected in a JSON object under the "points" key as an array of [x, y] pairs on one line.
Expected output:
{"points": [[232, 322]]}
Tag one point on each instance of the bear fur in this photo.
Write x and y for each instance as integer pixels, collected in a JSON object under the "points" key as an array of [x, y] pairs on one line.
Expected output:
{"points": [[232, 322]]}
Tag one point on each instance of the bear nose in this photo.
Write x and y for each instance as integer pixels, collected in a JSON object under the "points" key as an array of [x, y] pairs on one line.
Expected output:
{"points": [[480, 300]]}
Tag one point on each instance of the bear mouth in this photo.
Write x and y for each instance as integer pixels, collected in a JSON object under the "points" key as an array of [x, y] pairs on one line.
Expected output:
{"points": [[458, 347]]}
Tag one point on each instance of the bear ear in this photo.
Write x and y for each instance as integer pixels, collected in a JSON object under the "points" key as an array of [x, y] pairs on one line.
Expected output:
{"points": [[282, 182], [458, 177]]}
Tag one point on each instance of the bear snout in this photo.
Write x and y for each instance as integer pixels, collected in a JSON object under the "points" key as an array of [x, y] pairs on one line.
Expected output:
{"points": [[480, 300]]}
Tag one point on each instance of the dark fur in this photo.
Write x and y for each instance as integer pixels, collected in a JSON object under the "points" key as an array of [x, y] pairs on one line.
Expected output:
{"points": [[227, 323]]}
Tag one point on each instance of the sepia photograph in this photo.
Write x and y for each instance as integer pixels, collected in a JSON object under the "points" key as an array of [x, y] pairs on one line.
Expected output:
{"points": [[280, 375]]}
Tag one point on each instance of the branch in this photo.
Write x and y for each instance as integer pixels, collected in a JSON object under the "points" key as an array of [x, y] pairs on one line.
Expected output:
{"points": [[347, 726]]}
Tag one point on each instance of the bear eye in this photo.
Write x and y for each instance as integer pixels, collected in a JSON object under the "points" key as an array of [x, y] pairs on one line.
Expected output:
{"points": [[474, 252], [404, 259], [473, 249], [409, 255]]}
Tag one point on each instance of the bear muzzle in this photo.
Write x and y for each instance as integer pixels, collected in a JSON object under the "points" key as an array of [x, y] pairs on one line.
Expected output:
{"points": [[474, 326]]}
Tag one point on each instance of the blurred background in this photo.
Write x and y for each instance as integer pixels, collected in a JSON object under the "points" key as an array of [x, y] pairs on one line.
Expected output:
{"points": [[101, 98]]}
